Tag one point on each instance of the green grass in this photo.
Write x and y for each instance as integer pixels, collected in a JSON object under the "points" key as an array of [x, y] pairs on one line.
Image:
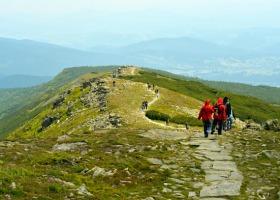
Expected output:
{"points": [[245, 107], [20, 104], [28, 160], [259, 170]]}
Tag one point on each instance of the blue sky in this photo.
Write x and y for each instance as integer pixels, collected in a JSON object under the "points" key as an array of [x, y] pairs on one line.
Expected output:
{"points": [[62, 21]]}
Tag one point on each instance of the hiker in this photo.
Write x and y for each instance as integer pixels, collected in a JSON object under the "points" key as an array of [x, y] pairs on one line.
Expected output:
{"points": [[124, 86], [167, 121], [114, 83], [219, 116], [157, 94], [225, 102], [148, 86], [187, 126], [146, 105], [205, 113], [230, 115], [143, 106]]}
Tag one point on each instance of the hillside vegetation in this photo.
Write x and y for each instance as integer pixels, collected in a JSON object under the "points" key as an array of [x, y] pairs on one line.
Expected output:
{"points": [[17, 105], [245, 107], [91, 140], [265, 93]]}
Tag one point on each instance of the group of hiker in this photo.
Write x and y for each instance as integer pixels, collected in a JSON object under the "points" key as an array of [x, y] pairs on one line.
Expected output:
{"points": [[217, 117]]}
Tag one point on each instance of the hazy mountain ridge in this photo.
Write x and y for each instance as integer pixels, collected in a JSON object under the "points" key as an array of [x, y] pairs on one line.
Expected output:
{"points": [[17, 81], [185, 56], [208, 61], [43, 59]]}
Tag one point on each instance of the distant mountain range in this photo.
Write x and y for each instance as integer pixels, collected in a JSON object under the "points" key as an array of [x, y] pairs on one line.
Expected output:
{"points": [[43, 59], [16, 81], [184, 56]]}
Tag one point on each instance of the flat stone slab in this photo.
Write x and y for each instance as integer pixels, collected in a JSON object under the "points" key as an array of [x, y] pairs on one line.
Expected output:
{"points": [[222, 178], [221, 188], [215, 156], [219, 165], [213, 198], [209, 145], [161, 134], [68, 146], [223, 175]]}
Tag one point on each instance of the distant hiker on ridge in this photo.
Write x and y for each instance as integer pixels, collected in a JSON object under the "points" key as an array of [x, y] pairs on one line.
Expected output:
{"points": [[167, 121], [205, 113], [148, 86], [157, 94], [144, 105]]}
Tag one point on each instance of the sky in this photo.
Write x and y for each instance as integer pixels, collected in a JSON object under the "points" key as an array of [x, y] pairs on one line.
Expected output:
{"points": [[72, 22]]}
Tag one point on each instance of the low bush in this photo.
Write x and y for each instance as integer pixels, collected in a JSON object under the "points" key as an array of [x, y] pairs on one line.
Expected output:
{"points": [[182, 119], [178, 119], [155, 115]]}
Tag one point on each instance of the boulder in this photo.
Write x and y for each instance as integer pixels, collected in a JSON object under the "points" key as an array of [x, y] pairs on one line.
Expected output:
{"points": [[48, 120], [58, 102], [252, 126], [68, 146], [272, 124]]}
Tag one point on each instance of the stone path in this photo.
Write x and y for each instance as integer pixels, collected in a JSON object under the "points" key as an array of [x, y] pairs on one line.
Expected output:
{"points": [[222, 178]]}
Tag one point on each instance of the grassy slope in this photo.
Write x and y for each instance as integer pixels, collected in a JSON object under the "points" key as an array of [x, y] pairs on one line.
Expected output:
{"points": [[15, 103], [32, 165], [45, 164], [177, 97], [245, 107], [124, 102], [266, 93]]}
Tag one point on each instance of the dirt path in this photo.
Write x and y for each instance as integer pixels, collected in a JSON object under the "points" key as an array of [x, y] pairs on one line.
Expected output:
{"points": [[152, 98], [163, 125]]}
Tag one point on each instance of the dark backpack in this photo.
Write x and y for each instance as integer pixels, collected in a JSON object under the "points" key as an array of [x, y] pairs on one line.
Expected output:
{"points": [[217, 110]]}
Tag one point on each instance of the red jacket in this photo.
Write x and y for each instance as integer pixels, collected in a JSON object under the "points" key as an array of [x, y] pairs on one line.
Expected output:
{"points": [[206, 111], [221, 110]]}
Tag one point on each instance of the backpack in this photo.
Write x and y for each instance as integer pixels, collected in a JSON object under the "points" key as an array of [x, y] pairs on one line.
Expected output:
{"points": [[217, 110]]}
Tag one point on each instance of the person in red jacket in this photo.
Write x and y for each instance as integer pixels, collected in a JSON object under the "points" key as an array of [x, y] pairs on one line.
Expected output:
{"points": [[219, 116], [206, 114]]}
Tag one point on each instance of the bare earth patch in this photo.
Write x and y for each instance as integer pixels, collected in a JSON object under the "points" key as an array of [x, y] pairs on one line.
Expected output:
{"points": [[160, 134]]}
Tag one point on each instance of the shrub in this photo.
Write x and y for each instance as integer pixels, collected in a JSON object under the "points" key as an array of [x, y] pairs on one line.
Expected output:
{"points": [[55, 188], [182, 119], [155, 115], [178, 119]]}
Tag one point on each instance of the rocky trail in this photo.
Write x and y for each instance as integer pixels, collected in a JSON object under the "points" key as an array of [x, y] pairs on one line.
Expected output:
{"points": [[214, 173]]}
